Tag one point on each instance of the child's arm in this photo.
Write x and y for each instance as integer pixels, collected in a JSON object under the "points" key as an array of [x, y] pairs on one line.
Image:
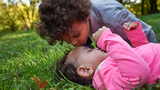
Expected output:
{"points": [[130, 65], [135, 33]]}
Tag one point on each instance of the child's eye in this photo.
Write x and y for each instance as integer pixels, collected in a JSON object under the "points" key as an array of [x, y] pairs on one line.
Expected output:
{"points": [[76, 35], [89, 50]]}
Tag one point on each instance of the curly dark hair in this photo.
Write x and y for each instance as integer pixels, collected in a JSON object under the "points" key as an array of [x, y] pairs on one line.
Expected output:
{"points": [[57, 16], [69, 70]]}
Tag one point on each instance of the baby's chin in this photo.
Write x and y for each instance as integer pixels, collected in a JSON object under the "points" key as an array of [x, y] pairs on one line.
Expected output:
{"points": [[105, 56]]}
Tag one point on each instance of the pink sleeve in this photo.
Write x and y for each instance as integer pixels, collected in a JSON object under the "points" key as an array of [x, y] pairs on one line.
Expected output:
{"points": [[130, 64], [137, 37]]}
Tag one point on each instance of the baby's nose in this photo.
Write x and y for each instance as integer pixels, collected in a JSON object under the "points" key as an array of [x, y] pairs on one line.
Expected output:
{"points": [[97, 48]]}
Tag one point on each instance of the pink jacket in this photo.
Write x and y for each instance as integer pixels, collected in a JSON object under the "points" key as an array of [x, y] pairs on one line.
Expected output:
{"points": [[126, 66]]}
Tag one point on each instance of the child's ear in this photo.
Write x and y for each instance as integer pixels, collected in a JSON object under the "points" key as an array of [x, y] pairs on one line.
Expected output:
{"points": [[85, 71], [88, 17]]}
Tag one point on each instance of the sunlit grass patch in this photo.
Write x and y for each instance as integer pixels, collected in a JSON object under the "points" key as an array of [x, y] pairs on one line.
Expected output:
{"points": [[154, 21]]}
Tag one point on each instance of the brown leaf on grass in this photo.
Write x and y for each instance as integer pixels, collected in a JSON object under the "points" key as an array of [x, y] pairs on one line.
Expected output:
{"points": [[40, 84]]}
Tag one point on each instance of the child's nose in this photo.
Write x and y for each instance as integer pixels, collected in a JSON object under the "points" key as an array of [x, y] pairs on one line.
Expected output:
{"points": [[74, 43]]}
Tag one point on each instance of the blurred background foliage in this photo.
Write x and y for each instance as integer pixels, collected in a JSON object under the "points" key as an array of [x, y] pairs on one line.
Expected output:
{"points": [[18, 15]]}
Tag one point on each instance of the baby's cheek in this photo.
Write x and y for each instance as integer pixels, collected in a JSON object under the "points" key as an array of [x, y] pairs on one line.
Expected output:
{"points": [[99, 58], [102, 57]]}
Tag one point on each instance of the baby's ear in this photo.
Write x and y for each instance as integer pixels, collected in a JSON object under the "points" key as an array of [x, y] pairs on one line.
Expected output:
{"points": [[85, 71]]}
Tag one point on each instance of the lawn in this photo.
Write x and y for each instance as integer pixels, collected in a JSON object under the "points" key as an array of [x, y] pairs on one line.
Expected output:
{"points": [[24, 54], [154, 21]]}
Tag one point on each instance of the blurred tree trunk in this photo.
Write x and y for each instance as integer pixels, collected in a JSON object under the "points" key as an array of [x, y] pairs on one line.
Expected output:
{"points": [[142, 6], [153, 6], [33, 10], [120, 1]]}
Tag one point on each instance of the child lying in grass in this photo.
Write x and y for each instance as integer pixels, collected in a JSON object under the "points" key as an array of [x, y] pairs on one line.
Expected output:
{"points": [[121, 67]]}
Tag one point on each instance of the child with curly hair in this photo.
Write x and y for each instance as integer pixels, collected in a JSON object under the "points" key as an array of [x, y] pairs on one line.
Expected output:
{"points": [[74, 21], [120, 67]]}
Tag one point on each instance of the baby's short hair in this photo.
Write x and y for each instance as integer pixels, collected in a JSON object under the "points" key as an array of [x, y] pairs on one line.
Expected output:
{"points": [[57, 17], [69, 70]]}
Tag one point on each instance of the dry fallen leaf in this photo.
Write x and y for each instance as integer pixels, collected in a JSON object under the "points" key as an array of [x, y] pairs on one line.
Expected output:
{"points": [[40, 84]]}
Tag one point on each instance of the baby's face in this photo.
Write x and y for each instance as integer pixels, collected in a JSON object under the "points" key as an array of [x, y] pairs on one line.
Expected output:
{"points": [[87, 57], [78, 35]]}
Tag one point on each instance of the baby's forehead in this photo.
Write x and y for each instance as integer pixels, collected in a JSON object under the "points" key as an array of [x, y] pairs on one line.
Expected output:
{"points": [[77, 49], [75, 53]]}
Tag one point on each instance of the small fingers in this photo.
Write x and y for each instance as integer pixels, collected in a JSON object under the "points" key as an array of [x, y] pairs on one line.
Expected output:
{"points": [[127, 25], [104, 27], [130, 26], [98, 33]]}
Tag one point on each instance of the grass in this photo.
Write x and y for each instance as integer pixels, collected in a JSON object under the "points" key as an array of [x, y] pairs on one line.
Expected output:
{"points": [[154, 21], [24, 54]]}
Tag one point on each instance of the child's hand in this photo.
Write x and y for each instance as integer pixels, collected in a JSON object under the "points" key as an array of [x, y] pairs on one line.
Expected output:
{"points": [[98, 33], [128, 26]]}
